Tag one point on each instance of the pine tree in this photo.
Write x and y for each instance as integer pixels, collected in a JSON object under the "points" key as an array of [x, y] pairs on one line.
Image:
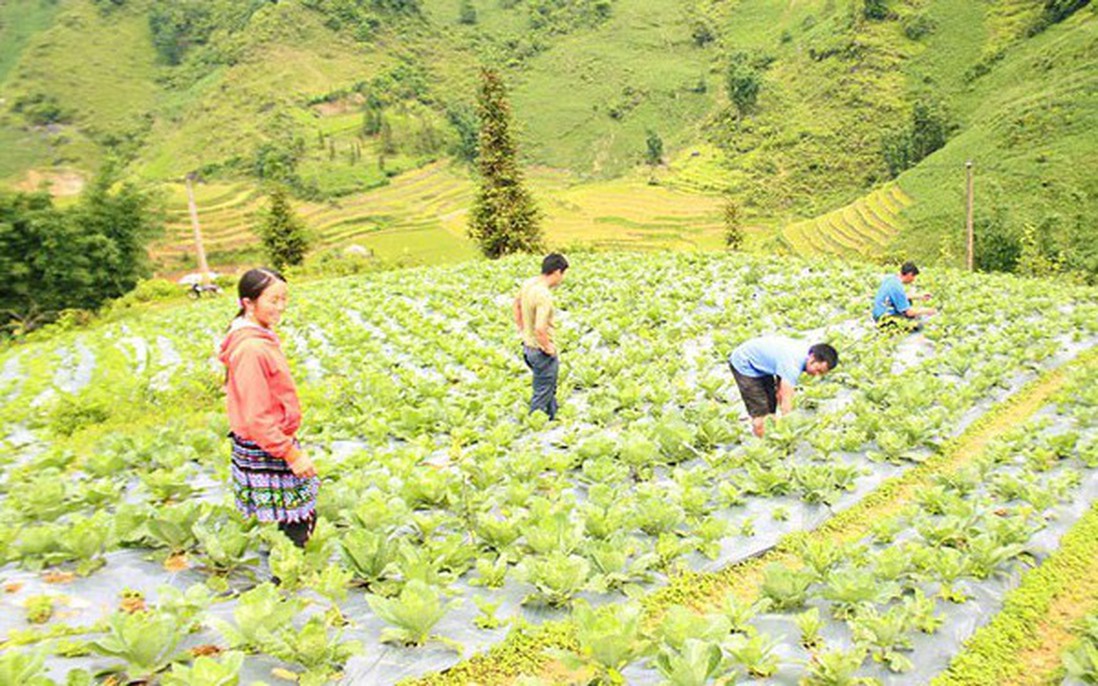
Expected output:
{"points": [[504, 218], [388, 142], [371, 119], [654, 154], [284, 236], [733, 230]]}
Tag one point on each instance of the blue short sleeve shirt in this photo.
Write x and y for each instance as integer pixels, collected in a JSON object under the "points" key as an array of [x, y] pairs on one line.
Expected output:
{"points": [[771, 356], [891, 298]]}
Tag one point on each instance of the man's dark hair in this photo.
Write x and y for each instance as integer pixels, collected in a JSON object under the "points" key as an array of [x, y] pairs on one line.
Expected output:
{"points": [[822, 352], [553, 262], [909, 268]]}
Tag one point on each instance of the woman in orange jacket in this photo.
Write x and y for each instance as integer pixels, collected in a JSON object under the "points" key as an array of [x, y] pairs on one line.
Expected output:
{"points": [[273, 480]]}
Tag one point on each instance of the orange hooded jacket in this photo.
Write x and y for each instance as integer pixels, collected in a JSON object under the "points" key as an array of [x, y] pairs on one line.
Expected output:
{"points": [[260, 394]]}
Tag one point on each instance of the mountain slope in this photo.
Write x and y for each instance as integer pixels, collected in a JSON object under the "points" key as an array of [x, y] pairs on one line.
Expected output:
{"points": [[340, 98]]}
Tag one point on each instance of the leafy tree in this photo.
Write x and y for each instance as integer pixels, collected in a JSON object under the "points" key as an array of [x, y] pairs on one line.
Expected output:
{"points": [[997, 247], [733, 226], [467, 14], [928, 130], [1035, 258], [702, 33], [919, 26], [875, 10], [371, 118], [55, 259], [283, 233], [563, 16], [504, 218], [399, 6], [1054, 12], [276, 160], [178, 26], [464, 120], [654, 154], [744, 83], [388, 142], [41, 109], [896, 151]]}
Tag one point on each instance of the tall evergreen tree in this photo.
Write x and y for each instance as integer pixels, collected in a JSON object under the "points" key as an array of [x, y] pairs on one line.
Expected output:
{"points": [[504, 218], [733, 227], [654, 154], [283, 233]]}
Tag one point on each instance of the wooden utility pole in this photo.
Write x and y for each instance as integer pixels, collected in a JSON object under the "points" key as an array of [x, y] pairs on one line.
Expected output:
{"points": [[968, 220], [203, 267]]}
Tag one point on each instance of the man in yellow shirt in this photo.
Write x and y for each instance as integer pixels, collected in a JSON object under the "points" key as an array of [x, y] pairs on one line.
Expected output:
{"points": [[534, 317]]}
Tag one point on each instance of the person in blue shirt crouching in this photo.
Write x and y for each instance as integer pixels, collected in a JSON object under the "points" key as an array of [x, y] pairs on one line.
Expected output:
{"points": [[767, 369], [892, 309]]}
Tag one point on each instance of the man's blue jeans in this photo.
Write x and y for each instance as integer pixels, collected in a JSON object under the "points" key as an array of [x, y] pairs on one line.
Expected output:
{"points": [[545, 368]]}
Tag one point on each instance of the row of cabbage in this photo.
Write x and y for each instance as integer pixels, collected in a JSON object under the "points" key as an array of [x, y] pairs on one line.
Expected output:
{"points": [[436, 484], [895, 606]]}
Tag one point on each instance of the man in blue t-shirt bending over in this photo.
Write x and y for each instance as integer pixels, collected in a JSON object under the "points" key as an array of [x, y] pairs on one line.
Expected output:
{"points": [[891, 307], [767, 370]]}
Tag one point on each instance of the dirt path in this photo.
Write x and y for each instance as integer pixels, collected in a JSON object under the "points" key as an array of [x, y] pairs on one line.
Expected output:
{"points": [[1023, 643], [1058, 629]]}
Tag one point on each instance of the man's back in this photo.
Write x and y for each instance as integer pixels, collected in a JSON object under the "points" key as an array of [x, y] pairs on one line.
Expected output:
{"points": [[891, 298], [537, 310], [771, 356]]}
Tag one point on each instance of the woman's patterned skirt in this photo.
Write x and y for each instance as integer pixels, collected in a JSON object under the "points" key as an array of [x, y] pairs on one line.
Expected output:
{"points": [[264, 487]]}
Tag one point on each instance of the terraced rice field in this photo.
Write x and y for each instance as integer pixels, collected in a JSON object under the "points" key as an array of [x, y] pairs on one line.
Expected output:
{"points": [[411, 217], [862, 229], [422, 216]]}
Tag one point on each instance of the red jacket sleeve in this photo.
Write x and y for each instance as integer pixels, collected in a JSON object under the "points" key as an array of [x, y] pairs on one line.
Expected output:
{"points": [[253, 405]]}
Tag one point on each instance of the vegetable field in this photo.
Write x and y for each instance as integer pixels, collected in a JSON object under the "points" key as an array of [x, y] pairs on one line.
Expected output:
{"points": [[928, 498]]}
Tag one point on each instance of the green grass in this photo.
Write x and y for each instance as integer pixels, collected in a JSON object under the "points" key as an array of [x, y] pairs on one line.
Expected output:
{"points": [[992, 654], [288, 58], [812, 142], [100, 68], [1031, 134], [22, 149], [430, 245], [20, 20], [566, 96], [961, 30]]}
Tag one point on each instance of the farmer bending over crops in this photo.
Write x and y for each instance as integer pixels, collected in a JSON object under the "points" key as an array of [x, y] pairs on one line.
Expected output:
{"points": [[891, 307], [273, 480], [535, 318], [767, 369]]}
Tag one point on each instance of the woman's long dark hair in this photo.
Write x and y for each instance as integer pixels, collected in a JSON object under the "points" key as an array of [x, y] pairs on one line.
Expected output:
{"points": [[253, 283]]}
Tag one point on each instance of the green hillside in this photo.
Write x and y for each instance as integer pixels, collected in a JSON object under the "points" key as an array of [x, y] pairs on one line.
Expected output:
{"points": [[1029, 127], [343, 98]]}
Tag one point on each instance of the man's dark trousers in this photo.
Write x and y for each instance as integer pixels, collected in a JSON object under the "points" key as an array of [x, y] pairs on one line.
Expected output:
{"points": [[545, 368]]}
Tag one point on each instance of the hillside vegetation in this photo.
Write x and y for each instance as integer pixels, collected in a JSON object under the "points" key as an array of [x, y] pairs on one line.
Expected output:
{"points": [[801, 112]]}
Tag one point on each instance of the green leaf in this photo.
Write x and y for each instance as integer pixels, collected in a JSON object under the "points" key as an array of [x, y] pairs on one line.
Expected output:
{"points": [[413, 613]]}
